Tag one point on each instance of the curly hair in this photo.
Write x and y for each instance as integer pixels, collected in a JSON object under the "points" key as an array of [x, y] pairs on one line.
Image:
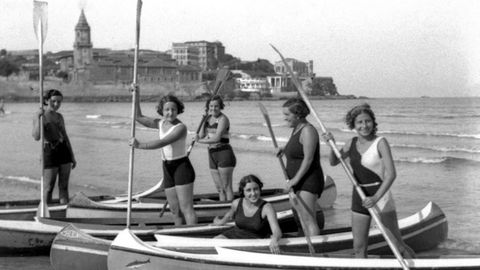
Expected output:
{"points": [[215, 98], [170, 98], [297, 106], [356, 111], [248, 179], [50, 93]]}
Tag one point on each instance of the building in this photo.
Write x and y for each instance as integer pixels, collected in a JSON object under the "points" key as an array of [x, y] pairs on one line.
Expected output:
{"points": [[105, 66], [282, 81], [207, 54]]}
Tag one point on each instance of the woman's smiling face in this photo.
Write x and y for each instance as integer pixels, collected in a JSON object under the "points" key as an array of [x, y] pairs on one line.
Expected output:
{"points": [[251, 192], [170, 111], [363, 124]]}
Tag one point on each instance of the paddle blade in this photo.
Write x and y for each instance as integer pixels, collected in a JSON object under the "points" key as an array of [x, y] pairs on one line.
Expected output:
{"points": [[222, 76], [40, 15], [42, 210], [264, 113]]}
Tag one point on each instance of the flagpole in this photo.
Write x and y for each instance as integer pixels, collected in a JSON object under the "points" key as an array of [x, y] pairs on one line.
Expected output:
{"points": [[134, 111]]}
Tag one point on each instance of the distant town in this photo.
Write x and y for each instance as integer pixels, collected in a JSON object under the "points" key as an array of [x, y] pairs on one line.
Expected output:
{"points": [[187, 69]]}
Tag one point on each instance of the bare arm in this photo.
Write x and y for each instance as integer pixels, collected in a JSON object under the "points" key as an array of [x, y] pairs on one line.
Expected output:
{"points": [[344, 151], [175, 135], [223, 124], [142, 119], [36, 124], [269, 212], [228, 216], [67, 140]]}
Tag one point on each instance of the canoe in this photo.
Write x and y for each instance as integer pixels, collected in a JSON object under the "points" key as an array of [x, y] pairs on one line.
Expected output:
{"points": [[36, 236], [27, 209], [81, 207], [422, 231], [129, 252]]}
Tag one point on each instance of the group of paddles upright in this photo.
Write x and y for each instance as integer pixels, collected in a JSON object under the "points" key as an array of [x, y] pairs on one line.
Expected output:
{"points": [[371, 168]]}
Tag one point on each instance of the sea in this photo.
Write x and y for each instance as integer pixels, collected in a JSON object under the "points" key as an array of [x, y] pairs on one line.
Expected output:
{"points": [[435, 144]]}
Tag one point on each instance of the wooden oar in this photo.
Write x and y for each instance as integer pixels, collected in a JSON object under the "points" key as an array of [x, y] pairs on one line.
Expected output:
{"points": [[373, 210], [134, 111], [40, 27], [222, 76], [292, 194]]}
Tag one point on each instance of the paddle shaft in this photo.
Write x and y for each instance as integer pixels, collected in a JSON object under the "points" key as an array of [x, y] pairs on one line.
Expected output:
{"points": [[38, 26], [134, 112], [291, 194], [373, 210]]}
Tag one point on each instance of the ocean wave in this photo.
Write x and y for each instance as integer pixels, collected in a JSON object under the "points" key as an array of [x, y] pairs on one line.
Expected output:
{"points": [[436, 160], [24, 179], [417, 133], [438, 148]]}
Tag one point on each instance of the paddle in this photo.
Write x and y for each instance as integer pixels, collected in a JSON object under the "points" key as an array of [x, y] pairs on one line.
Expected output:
{"points": [[40, 28], [134, 110], [373, 210], [222, 76], [292, 194]]}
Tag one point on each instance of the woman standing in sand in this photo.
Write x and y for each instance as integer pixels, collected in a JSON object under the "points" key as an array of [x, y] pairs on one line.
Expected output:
{"points": [[58, 157], [222, 160], [178, 173], [372, 163]]}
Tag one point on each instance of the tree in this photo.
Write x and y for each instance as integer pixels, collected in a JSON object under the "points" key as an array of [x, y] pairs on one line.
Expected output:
{"points": [[7, 68]]}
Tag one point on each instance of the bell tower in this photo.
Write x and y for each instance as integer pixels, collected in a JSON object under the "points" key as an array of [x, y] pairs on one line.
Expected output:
{"points": [[82, 50]]}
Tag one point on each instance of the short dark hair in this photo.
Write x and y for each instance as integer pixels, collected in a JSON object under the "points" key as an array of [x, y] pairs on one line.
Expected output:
{"points": [[50, 93], [170, 98], [217, 98], [297, 106], [356, 111], [248, 179]]}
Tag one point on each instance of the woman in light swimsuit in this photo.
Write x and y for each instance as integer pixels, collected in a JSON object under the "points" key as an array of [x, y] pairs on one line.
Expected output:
{"points": [[178, 173], [372, 163], [222, 160]]}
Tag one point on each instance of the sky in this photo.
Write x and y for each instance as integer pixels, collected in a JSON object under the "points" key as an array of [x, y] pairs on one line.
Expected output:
{"points": [[373, 48]]}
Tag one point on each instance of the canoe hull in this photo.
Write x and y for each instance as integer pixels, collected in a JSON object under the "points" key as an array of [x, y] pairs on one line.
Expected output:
{"points": [[127, 252]]}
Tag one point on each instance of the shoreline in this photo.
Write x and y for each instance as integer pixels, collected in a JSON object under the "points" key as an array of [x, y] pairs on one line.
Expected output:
{"points": [[127, 98]]}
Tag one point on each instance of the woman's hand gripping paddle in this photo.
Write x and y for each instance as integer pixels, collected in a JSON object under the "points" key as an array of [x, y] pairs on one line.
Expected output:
{"points": [[292, 195]]}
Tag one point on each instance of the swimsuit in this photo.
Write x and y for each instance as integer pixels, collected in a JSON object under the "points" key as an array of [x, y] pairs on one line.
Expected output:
{"points": [[177, 169], [220, 154], [249, 227], [312, 181], [369, 171]]}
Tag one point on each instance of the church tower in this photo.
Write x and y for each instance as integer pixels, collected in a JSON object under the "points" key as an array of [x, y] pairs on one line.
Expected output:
{"points": [[82, 50]]}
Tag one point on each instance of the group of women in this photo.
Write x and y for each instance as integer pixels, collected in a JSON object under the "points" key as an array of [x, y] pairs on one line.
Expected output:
{"points": [[369, 156]]}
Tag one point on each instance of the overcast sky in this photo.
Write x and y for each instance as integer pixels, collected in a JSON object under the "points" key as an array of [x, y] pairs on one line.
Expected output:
{"points": [[404, 48]]}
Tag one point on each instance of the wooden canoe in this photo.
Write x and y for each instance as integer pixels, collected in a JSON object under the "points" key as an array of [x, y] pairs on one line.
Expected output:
{"points": [[81, 207], [36, 236], [423, 230], [128, 252], [27, 209]]}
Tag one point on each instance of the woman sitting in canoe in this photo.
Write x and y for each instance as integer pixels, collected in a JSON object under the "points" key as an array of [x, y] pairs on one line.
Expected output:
{"points": [[178, 173], [254, 217], [373, 167]]}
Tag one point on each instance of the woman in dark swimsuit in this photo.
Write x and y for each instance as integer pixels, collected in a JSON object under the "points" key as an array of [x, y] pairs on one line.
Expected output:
{"points": [[254, 217], [303, 163], [58, 158]]}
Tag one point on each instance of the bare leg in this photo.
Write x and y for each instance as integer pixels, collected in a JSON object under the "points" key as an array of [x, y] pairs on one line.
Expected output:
{"points": [[218, 184], [49, 179], [305, 205], [226, 175], [63, 177], [185, 199], [360, 228], [390, 221], [172, 198]]}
